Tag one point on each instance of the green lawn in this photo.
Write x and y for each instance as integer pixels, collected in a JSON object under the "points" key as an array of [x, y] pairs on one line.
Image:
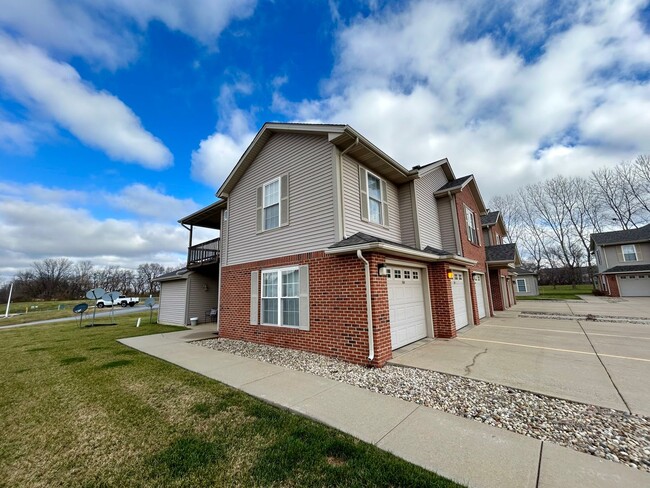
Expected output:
{"points": [[44, 310], [560, 292], [78, 408]]}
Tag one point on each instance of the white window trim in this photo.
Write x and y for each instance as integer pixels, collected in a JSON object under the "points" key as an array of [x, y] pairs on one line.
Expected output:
{"points": [[636, 254], [279, 298], [380, 201], [470, 216], [525, 290], [264, 207]]}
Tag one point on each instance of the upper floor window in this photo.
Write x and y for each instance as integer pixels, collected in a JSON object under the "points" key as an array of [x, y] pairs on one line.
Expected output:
{"points": [[472, 233], [374, 202], [629, 252], [273, 204]]}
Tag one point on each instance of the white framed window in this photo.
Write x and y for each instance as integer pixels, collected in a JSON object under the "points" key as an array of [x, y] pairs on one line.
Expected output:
{"points": [[398, 274], [271, 205], [470, 219], [521, 285], [374, 201], [416, 275], [281, 297], [629, 252]]}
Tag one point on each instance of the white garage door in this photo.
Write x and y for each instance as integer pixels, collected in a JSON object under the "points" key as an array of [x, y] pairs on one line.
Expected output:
{"points": [[460, 303], [634, 285], [406, 306], [480, 298], [172, 302]]}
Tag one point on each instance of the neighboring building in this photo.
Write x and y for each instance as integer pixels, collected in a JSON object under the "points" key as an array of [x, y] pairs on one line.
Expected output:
{"points": [[501, 259], [185, 294], [329, 245], [526, 283], [623, 259]]}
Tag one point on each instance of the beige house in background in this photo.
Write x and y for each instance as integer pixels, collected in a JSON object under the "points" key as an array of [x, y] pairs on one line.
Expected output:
{"points": [[526, 283]]}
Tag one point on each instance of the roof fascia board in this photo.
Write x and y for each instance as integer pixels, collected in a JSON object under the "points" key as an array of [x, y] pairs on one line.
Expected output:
{"points": [[205, 210], [400, 251]]}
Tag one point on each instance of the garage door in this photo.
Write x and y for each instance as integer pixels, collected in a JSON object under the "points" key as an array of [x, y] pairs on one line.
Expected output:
{"points": [[406, 306], [172, 302], [460, 302], [634, 285], [480, 298]]}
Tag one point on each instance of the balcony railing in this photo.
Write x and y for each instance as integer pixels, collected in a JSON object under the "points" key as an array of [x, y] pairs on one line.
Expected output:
{"points": [[204, 253]]}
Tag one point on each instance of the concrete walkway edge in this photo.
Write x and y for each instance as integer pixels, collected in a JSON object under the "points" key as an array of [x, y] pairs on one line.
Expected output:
{"points": [[466, 451]]}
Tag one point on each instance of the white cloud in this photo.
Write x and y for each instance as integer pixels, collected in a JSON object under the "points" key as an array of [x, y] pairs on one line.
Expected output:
{"points": [[219, 152], [97, 118], [434, 79], [148, 202], [107, 32], [35, 230]]}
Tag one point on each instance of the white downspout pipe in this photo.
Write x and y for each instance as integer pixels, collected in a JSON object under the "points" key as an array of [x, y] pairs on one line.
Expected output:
{"points": [[371, 339]]}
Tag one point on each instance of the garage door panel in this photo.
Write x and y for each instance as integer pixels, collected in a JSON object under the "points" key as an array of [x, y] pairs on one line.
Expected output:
{"points": [[480, 297], [636, 285], [459, 299], [406, 306]]}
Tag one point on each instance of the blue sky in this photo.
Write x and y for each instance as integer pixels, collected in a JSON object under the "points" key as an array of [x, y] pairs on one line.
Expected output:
{"points": [[117, 117]]}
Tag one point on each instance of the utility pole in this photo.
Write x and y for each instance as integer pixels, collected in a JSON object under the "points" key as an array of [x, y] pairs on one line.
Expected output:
{"points": [[11, 289]]}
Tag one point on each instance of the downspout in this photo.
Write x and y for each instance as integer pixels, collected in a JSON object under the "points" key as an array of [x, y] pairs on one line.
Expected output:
{"points": [[371, 340], [341, 192]]}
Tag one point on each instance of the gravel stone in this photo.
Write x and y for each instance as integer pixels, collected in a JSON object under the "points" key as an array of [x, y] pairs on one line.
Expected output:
{"points": [[603, 432]]}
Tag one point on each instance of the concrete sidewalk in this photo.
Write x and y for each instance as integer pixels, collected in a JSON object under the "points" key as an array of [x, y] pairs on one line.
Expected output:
{"points": [[463, 450]]}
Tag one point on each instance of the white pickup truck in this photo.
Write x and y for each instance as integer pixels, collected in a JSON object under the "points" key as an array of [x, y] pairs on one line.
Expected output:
{"points": [[122, 301]]}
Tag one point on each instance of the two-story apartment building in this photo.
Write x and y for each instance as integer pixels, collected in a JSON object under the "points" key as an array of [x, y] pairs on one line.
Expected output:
{"points": [[501, 258], [623, 259], [329, 245]]}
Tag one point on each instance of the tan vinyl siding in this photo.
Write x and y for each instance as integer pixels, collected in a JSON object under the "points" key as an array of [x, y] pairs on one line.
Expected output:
{"points": [[428, 219], [201, 301], [615, 257], [173, 303], [223, 234], [352, 206], [487, 238], [448, 235], [406, 215], [307, 160], [531, 286]]}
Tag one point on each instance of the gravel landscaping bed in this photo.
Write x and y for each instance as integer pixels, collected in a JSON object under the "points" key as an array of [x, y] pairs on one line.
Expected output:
{"points": [[603, 432]]}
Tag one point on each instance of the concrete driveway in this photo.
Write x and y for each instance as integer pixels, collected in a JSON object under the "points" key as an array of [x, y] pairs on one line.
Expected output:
{"points": [[599, 363]]}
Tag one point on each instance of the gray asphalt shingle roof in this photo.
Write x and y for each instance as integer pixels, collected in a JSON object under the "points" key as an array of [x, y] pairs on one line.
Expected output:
{"points": [[629, 268], [361, 238], [502, 252], [453, 184], [619, 236], [490, 218]]}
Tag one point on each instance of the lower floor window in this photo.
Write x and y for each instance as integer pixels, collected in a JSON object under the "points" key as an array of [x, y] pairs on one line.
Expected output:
{"points": [[521, 286], [281, 297]]}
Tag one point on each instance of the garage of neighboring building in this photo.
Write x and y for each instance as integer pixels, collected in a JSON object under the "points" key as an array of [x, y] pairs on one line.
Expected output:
{"points": [[185, 294], [634, 285], [480, 295], [406, 305], [459, 297]]}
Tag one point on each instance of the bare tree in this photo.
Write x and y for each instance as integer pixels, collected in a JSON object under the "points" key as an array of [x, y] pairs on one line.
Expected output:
{"points": [[616, 195], [51, 276]]}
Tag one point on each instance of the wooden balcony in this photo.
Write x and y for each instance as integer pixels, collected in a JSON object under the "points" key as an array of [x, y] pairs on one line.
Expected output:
{"points": [[204, 253]]}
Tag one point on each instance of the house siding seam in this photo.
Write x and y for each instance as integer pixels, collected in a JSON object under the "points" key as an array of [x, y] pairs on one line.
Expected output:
{"points": [[338, 320], [428, 218], [352, 205], [406, 215], [470, 250], [307, 159], [448, 234]]}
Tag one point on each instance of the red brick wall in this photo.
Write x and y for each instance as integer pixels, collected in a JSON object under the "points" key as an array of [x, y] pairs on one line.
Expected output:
{"points": [[471, 250], [612, 283], [442, 305], [338, 321], [495, 287]]}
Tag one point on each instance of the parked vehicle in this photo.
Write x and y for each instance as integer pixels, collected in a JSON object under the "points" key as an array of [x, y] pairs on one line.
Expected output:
{"points": [[122, 301]]}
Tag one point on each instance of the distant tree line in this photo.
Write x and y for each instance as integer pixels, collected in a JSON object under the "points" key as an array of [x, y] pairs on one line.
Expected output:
{"points": [[551, 221], [63, 279]]}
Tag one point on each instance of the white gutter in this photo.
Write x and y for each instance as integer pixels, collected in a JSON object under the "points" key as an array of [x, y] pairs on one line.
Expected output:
{"points": [[371, 340], [401, 251]]}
